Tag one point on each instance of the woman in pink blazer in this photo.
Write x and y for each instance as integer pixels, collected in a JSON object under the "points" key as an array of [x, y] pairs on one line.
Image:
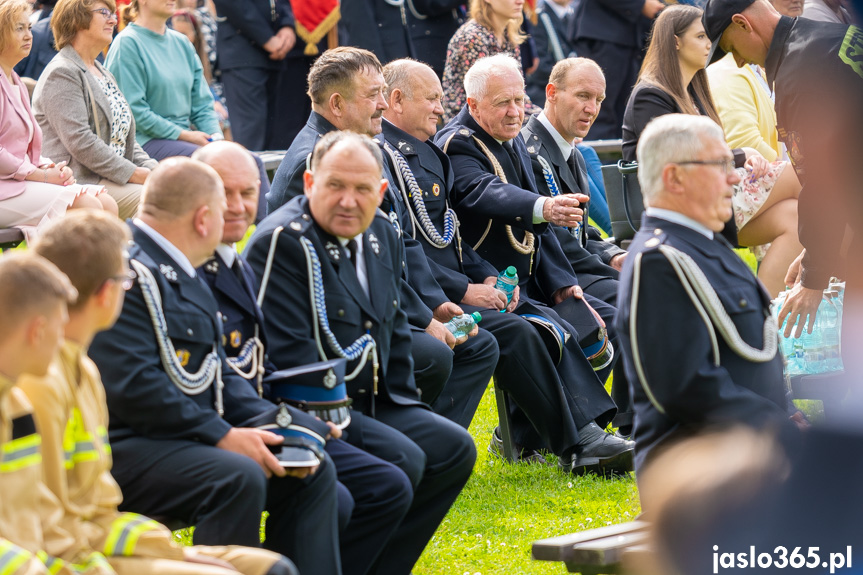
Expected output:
{"points": [[33, 190]]}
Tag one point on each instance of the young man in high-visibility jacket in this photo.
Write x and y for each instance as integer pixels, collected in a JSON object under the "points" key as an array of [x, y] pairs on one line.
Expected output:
{"points": [[72, 417], [33, 299]]}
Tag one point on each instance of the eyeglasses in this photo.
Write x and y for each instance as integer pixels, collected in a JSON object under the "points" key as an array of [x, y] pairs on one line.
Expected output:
{"points": [[126, 280], [106, 13], [727, 164]]}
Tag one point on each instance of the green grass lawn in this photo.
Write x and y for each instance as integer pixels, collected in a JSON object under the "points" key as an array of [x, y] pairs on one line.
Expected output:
{"points": [[505, 507]]}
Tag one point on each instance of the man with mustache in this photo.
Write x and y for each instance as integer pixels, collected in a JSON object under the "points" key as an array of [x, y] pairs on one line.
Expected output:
{"points": [[346, 86]]}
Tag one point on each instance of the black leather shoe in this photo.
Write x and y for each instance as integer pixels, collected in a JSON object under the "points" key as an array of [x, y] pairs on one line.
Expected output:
{"points": [[601, 453], [495, 447]]}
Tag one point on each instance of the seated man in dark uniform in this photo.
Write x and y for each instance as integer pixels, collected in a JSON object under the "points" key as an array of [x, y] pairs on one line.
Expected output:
{"points": [[506, 219], [178, 414], [376, 494], [346, 88], [699, 343], [329, 265], [525, 369], [575, 93]]}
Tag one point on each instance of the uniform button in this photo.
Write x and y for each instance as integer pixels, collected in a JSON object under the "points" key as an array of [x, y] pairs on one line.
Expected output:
{"points": [[190, 332], [743, 303], [657, 231], [518, 218], [341, 313], [361, 391], [395, 303], [367, 325], [224, 319]]}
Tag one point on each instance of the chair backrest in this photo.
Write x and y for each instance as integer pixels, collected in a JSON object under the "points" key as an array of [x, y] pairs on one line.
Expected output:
{"points": [[625, 203]]}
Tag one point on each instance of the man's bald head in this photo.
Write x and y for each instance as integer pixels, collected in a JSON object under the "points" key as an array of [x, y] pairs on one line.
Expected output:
{"points": [[414, 97], [177, 187], [225, 155], [242, 182]]}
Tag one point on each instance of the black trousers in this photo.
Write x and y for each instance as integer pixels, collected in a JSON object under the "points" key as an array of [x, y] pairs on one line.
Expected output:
{"points": [[553, 400], [223, 495], [376, 495], [436, 454], [473, 364]]}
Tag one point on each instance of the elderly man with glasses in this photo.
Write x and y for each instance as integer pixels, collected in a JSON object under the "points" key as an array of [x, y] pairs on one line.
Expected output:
{"points": [[699, 343]]}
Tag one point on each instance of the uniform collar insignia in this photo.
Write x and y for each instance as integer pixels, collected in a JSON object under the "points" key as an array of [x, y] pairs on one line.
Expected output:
{"points": [[404, 147], [334, 251], [373, 242], [212, 266], [168, 272]]}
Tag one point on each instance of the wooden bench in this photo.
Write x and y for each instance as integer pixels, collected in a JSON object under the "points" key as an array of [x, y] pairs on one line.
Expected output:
{"points": [[600, 551]]}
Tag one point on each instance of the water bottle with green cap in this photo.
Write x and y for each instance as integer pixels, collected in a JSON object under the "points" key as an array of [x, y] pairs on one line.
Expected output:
{"points": [[506, 282], [461, 325]]}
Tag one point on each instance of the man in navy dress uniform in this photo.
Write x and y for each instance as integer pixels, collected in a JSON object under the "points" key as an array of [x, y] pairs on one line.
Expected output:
{"points": [[525, 369], [329, 265], [507, 221], [699, 342], [575, 93], [346, 87], [375, 494], [178, 436]]}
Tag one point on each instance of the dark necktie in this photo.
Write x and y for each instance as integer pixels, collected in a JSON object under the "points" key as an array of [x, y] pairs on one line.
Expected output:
{"points": [[513, 157], [237, 268], [352, 252]]}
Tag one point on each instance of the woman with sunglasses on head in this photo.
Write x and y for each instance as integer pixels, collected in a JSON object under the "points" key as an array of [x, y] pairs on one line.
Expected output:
{"points": [[33, 189], [85, 119], [673, 80]]}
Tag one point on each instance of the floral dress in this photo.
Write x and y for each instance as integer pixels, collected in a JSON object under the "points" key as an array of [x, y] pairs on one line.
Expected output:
{"points": [[471, 42]]}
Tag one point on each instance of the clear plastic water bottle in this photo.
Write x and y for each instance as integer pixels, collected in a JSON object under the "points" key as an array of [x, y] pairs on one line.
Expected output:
{"points": [[506, 282], [461, 325], [830, 327]]}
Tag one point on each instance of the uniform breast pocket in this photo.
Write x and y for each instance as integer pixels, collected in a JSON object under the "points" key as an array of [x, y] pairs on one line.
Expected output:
{"points": [[192, 335], [743, 306], [433, 195], [343, 313]]}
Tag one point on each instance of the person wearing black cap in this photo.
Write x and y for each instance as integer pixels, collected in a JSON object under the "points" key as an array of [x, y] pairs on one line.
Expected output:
{"points": [[816, 70]]}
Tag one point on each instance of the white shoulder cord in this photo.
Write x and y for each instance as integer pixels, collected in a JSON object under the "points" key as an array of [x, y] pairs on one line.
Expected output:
{"points": [[687, 269], [251, 356], [360, 349], [418, 214], [548, 175], [552, 36], [525, 247], [189, 383], [708, 306]]}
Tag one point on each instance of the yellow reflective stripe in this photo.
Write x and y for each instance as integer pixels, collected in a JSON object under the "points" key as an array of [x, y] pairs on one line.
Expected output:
{"points": [[12, 558], [78, 443], [103, 435], [19, 453], [125, 532], [94, 560], [52, 564]]}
